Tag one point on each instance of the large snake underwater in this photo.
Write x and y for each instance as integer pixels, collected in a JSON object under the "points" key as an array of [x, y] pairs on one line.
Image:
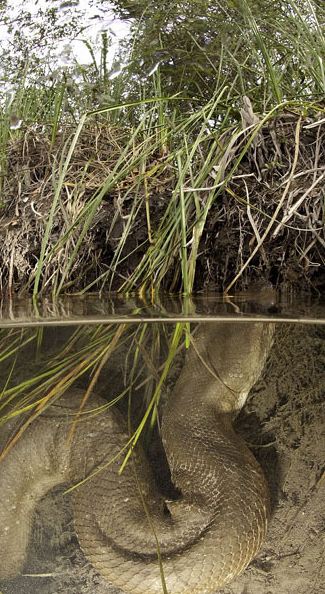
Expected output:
{"points": [[208, 534]]}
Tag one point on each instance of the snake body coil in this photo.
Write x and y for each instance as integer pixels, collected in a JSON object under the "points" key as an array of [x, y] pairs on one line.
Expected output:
{"points": [[208, 535]]}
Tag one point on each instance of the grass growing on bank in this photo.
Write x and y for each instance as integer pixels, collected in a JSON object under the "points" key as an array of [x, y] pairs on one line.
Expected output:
{"points": [[170, 192], [111, 208]]}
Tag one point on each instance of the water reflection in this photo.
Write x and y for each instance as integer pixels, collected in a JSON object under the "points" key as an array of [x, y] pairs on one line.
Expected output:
{"points": [[265, 304], [282, 421]]}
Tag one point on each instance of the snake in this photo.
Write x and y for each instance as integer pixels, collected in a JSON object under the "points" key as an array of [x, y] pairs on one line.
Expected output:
{"points": [[136, 537]]}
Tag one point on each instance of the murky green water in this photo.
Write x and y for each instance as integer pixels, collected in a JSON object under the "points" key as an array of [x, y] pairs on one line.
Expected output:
{"points": [[132, 351]]}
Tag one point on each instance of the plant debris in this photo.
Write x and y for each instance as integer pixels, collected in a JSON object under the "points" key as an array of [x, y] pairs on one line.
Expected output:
{"points": [[256, 211]]}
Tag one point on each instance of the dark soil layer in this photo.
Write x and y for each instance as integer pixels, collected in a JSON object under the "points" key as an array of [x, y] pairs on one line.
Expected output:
{"points": [[279, 179]]}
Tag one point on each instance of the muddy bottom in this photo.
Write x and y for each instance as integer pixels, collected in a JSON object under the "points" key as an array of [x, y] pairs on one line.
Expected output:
{"points": [[284, 424], [288, 407]]}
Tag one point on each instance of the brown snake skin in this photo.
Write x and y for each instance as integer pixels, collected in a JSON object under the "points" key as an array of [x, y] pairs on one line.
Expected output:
{"points": [[208, 535]]}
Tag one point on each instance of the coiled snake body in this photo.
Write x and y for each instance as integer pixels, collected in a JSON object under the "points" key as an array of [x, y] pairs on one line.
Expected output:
{"points": [[208, 535]]}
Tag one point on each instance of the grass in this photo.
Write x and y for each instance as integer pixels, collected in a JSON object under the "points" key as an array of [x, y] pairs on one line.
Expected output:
{"points": [[167, 194], [127, 196], [155, 190], [160, 192], [85, 354]]}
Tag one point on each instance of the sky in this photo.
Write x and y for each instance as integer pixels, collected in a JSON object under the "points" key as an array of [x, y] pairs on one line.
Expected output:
{"points": [[66, 50]]}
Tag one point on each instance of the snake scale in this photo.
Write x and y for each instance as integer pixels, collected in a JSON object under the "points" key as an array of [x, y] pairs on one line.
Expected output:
{"points": [[207, 535]]}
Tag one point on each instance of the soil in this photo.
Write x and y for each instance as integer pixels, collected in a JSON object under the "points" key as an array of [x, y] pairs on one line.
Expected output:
{"points": [[117, 242], [284, 423]]}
